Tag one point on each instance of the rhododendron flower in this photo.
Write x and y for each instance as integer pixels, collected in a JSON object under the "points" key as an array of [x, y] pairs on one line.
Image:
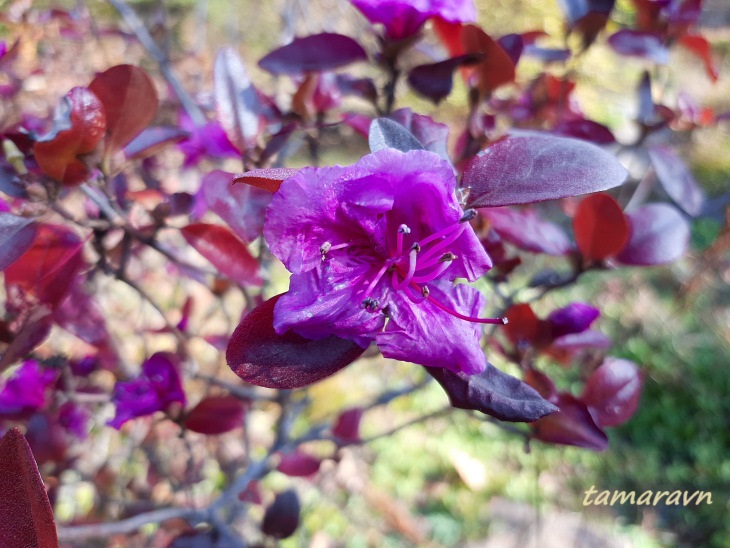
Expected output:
{"points": [[374, 249], [402, 19], [155, 389], [25, 390]]}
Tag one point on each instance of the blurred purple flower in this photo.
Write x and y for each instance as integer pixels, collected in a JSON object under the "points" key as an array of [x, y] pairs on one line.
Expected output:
{"points": [[574, 318], [155, 389], [74, 418], [402, 19], [209, 140], [373, 249], [25, 390]]}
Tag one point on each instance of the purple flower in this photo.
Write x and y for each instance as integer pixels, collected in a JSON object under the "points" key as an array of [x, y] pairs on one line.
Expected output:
{"points": [[373, 249], [154, 390], [25, 391], [402, 19]]}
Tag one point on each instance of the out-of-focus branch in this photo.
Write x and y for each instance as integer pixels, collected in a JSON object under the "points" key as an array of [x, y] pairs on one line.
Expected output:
{"points": [[137, 26]]}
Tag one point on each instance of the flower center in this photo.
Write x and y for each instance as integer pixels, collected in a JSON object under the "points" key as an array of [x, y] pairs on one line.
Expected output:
{"points": [[424, 261]]}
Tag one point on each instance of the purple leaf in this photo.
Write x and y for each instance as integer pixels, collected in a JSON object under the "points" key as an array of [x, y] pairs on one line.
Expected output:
{"points": [[521, 170], [226, 252], [436, 80], [434, 136], [385, 133], [513, 45], [612, 392], [215, 415], [282, 517], [16, 237], [547, 55], [586, 130], [298, 464], [677, 180], [659, 234], [574, 318], [527, 230], [493, 392], [261, 357], [636, 43], [242, 207], [33, 332], [236, 101], [579, 341], [26, 517], [571, 425], [317, 52], [152, 140]]}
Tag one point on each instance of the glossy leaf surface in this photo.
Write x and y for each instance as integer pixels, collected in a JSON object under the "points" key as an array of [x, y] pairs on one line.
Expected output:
{"points": [[612, 392]]}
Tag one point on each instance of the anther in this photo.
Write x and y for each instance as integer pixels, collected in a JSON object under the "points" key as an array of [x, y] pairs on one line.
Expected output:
{"points": [[468, 215], [505, 320], [325, 248], [448, 257], [425, 291], [416, 247], [403, 229], [366, 303]]}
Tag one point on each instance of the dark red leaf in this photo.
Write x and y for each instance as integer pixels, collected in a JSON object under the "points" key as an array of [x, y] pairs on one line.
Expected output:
{"points": [[130, 102], [677, 180], [282, 517], [659, 234], [261, 357], [450, 36], [16, 237], [542, 384], [571, 425], [236, 100], [701, 48], [496, 68], [26, 517], [347, 425], [636, 43], [242, 207], [522, 170], [30, 335], [251, 494], [226, 252], [527, 230], [215, 415], [523, 324], [266, 179], [317, 52], [386, 133], [298, 464], [152, 140], [585, 129], [436, 80], [47, 270], [612, 392], [492, 392], [600, 226], [79, 125]]}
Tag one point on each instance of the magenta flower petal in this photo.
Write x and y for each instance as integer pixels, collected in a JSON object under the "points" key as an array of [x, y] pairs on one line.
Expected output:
{"points": [[25, 390], [423, 334]]}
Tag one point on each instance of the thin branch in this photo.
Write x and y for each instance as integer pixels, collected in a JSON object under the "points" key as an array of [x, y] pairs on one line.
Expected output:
{"points": [[417, 420]]}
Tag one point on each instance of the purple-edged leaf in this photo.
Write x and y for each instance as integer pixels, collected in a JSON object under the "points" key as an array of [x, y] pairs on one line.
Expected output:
{"points": [[33, 332], [216, 415], [571, 425], [659, 234], [317, 52], [522, 170], [547, 55], [513, 45], [586, 130], [282, 517], [600, 226], [432, 135], [527, 230], [677, 180], [298, 464], [152, 140], [646, 114], [612, 392], [242, 207], [226, 252], [26, 517], [385, 133], [16, 237], [579, 341], [636, 43], [236, 100], [492, 392], [261, 357], [268, 179], [347, 425], [436, 80]]}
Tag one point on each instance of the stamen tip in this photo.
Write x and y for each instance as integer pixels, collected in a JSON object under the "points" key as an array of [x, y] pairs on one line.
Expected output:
{"points": [[505, 320], [403, 229], [468, 215]]}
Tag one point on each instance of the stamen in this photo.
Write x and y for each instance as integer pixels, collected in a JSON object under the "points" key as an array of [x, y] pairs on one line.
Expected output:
{"points": [[445, 242], [324, 248], [412, 261], [468, 215], [444, 232], [426, 294], [402, 229], [375, 280], [432, 261], [435, 273]]}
